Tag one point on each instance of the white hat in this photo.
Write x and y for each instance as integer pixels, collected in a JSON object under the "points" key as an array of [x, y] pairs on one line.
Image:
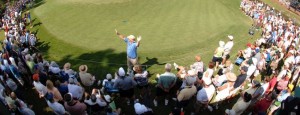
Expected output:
{"points": [[139, 108], [230, 37], [221, 43], [121, 71], [107, 98], [230, 112], [130, 37], [108, 76]]}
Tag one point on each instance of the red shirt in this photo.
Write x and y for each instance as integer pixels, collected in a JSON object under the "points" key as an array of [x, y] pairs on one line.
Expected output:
{"points": [[272, 84], [262, 105]]}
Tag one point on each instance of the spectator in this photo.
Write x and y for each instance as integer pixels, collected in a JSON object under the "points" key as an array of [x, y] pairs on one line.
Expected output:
{"points": [[165, 84], [205, 95], [141, 78], [198, 66], [51, 89], [39, 87], [57, 108], [262, 105], [240, 106], [86, 78], [239, 83], [75, 90], [23, 109], [108, 85], [186, 93], [227, 48], [218, 54], [67, 69], [74, 107], [125, 85]]}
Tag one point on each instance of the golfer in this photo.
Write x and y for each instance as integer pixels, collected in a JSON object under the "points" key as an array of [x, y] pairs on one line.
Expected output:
{"points": [[132, 57]]}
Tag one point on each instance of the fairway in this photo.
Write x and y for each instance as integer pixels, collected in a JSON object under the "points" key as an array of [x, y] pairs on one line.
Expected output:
{"points": [[172, 30]]}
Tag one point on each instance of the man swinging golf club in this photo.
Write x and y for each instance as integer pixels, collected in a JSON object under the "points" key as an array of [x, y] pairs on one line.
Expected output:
{"points": [[132, 57]]}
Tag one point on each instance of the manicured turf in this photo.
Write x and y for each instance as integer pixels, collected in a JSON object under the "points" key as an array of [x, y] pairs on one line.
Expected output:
{"points": [[82, 32], [172, 30]]}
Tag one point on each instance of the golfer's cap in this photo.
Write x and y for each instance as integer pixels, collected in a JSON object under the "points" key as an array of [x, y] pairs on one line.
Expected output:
{"points": [[131, 37]]}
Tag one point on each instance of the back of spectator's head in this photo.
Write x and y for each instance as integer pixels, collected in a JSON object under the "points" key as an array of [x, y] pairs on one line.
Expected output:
{"points": [[68, 97], [13, 95], [57, 83], [247, 97], [138, 68], [35, 77], [49, 84], [67, 66], [211, 65], [244, 69], [168, 67], [198, 58], [108, 76], [93, 98], [49, 97], [121, 72], [71, 80]]}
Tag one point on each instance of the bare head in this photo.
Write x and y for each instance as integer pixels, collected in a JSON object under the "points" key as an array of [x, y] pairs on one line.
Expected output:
{"points": [[168, 67]]}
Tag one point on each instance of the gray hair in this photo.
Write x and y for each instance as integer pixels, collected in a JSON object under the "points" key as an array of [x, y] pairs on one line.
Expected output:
{"points": [[168, 67]]}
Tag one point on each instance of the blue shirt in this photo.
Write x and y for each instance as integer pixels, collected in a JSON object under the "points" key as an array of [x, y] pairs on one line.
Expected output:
{"points": [[131, 49]]}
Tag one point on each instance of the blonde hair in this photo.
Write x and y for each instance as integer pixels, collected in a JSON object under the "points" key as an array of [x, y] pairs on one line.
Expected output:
{"points": [[49, 84]]}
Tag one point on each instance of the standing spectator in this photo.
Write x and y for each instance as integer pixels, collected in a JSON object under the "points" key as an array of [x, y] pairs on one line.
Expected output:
{"points": [[86, 78], [132, 56], [186, 93], [74, 89], [227, 48], [125, 85], [165, 84], [217, 58]]}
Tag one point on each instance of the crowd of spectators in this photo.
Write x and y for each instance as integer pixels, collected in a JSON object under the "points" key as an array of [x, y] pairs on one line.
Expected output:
{"points": [[267, 79]]}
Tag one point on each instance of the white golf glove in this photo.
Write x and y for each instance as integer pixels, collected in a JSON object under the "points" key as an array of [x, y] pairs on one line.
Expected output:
{"points": [[139, 38]]}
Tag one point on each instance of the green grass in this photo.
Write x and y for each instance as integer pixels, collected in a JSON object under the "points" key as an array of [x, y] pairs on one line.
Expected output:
{"points": [[172, 31], [82, 32]]}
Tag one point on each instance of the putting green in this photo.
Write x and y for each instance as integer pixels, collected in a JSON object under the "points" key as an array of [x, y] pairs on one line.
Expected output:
{"points": [[172, 30]]}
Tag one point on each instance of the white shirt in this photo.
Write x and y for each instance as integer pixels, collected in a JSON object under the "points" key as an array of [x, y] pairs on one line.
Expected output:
{"points": [[251, 70], [290, 60], [75, 90], [228, 46], [240, 106], [57, 108], [100, 102], [281, 74]]}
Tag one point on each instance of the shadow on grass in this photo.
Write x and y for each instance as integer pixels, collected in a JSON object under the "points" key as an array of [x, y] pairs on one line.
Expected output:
{"points": [[99, 63]]}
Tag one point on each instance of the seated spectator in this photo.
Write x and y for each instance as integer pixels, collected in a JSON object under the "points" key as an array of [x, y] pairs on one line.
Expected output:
{"points": [[186, 93], [141, 109], [125, 85], [67, 69], [74, 107], [281, 97], [54, 68], [39, 87], [205, 95], [226, 68], [192, 75], [23, 109], [240, 106], [283, 83], [57, 108], [224, 91], [198, 66], [239, 83], [256, 91], [219, 80], [10, 100], [108, 85], [86, 78], [54, 91], [75, 90], [262, 105], [96, 99], [165, 84], [272, 84], [62, 87]]}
